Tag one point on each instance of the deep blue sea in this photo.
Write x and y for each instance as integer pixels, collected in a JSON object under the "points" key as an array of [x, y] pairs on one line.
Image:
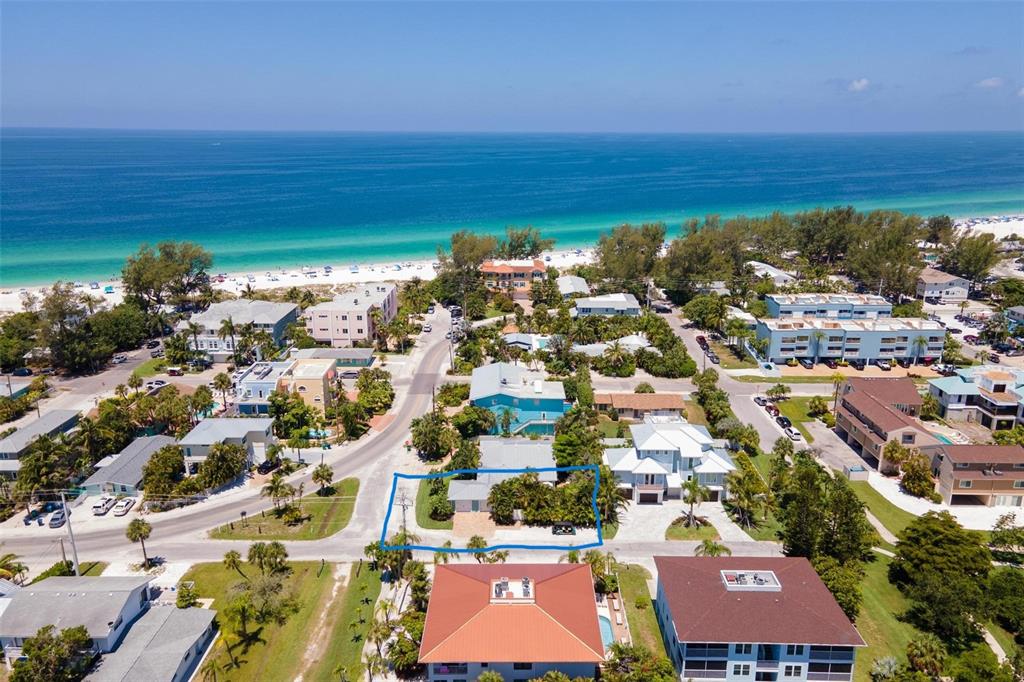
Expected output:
{"points": [[74, 203]]}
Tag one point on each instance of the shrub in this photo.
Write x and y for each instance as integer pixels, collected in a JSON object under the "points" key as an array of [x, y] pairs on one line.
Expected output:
{"points": [[641, 603]]}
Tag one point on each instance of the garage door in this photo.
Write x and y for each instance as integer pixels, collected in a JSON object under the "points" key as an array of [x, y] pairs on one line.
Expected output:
{"points": [[648, 498]]}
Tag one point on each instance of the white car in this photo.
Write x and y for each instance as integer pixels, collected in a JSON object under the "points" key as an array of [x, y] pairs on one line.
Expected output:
{"points": [[103, 505], [123, 505], [793, 433], [427, 328]]}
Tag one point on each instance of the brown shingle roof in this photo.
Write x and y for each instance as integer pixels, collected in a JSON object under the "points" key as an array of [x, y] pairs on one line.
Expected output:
{"points": [[885, 417], [982, 454], [559, 626], [932, 276], [802, 612], [901, 391], [641, 401]]}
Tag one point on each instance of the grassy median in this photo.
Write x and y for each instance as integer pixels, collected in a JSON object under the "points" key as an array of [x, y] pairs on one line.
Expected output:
{"points": [[323, 516], [643, 624]]}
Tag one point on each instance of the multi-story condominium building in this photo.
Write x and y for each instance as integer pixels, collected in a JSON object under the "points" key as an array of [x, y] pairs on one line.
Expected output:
{"points": [[501, 453], [639, 405], [312, 380], [513, 277], [532, 404], [349, 318], [989, 475], [947, 288], [519, 620], [873, 412], [764, 270], [1014, 316], [265, 316], [252, 433], [752, 619], [836, 306], [14, 446], [987, 394], [868, 339], [608, 304], [570, 286], [667, 452]]}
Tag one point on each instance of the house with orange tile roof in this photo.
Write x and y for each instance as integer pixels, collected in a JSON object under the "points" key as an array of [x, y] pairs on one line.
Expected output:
{"points": [[768, 619], [639, 405], [519, 620], [513, 277]]}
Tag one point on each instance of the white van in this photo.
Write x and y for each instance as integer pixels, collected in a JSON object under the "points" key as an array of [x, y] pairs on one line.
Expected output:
{"points": [[103, 505]]}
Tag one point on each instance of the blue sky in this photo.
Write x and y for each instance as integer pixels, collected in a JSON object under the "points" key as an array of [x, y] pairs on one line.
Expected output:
{"points": [[577, 66]]}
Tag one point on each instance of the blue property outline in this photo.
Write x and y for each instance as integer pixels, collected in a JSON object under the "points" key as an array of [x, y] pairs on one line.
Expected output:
{"points": [[465, 550]]}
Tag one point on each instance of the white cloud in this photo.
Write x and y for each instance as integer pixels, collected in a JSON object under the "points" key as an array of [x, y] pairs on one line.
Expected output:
{"points": [[989, 83], [858, 85]]}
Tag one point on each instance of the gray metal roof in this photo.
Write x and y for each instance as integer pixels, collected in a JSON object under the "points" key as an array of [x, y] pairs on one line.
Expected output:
{"points": [[218, 429], [93, 601], [505, 453], [571, 284], [126, 469], [154, 646], [352, 354], [49, 423], [243, 311]]}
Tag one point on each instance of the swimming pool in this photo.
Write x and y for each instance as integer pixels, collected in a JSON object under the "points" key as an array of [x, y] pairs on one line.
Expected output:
{"points": [[942, 439], [607, 636]]}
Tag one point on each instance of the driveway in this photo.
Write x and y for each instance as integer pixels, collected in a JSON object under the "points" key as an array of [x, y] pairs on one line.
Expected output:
{"points": [[726, 527], [648, 522]]}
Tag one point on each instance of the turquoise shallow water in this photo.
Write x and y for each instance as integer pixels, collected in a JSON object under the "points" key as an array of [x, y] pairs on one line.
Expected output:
{"points": [[74, 203]]}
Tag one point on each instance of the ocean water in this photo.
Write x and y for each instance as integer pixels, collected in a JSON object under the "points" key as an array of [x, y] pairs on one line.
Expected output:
{"points": [[74, 203]]}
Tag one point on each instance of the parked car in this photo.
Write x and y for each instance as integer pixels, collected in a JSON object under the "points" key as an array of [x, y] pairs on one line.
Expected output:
{"points": [[793, 433], [713, 358], [427, 328], [858, 364], [971, 339], [992, 357], [661, 308], [760, 400], [32, 515], [153, 344], [783, 422], [903, 362], [430, 309], [268, 465], [103, 505], [119, 359], [59, 518], [563, 528], [156, 353], [806, 363], [791, 362], [883, 365], [702, 342], [831, 364], [123, 505], [772, 410], [22, 372], [954, 330]]}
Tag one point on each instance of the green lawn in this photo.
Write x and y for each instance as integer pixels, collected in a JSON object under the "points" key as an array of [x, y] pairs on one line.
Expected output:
{"points": [[490, 311], [695, 413], [730, 358], [677, 531], [643, 624], [878, 624], [1003, 636], [324, 516], [345, 644], [92, 567], [423, 509], [608, 428], [151, 368], [891, 516], [609, 531], [796, 410], [277, 653]]}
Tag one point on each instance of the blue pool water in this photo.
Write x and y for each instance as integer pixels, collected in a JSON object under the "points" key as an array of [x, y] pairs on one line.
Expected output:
{"points": [[942, 439], [607, 636]]}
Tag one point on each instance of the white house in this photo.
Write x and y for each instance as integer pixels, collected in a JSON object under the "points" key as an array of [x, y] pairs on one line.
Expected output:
{"points": [[765, 270], [608, 304], [571, 285], [272, 318], [947, 288], [666, 453], [252, 433]]}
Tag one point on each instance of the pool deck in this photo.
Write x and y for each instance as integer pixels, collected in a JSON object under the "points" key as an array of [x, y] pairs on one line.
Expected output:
{"points": [[617, 618]]}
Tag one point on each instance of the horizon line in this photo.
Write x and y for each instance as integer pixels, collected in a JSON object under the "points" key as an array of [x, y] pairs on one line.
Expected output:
{"points": [[355, 131]]}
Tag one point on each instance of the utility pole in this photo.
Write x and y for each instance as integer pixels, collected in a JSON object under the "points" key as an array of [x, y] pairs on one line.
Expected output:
{"points": [[403, 502], [71, 533], [10, 391], [63, 556]]}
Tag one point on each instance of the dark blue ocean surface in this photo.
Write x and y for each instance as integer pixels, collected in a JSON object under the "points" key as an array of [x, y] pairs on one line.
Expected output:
{"points": [[74, 203]]}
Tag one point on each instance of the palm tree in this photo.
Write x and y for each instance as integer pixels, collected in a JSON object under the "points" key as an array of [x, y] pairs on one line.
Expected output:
{"points": [[209, 669], [11, 568], [323, 475], [478, 543], [384, 608], [695, 494], [441, 556], [925, 654], [222, 383], [818, 337], [135, 382], [307, 298], [920, 343], [248, 292], [276, 488], [228, 330], [138, 531], [571, 557], [710, 548], [233, 562], [837, 379], [194, 329]]}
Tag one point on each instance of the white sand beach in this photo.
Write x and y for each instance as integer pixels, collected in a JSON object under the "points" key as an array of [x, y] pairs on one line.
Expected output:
{"points": [[11, 297], [1001, 226]]}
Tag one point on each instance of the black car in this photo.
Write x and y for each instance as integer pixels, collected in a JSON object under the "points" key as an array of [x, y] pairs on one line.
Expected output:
{"points": [[858, 365], [153, 344], [714, 359], [954, 330], [22, 372], [563, 528], [783, 422], [903, 362], [831, 364], [268, 465]]}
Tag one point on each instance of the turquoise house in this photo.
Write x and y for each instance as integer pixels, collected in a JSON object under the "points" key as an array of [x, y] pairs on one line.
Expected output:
{"points": [[535, 404]]}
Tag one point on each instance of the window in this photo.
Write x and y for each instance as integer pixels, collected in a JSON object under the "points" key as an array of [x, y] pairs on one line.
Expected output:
{"points": [[793, 670], [1018, 484], [744, 648], [522, 666], [794, 649], [739, 669], [966, 484], [960, 465]]}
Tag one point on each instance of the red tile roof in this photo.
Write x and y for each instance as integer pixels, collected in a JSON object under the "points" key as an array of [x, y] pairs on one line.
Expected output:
{"points": [[703, 610], [559, 626]]}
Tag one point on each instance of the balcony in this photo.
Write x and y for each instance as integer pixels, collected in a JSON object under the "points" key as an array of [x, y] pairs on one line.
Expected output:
{"points": [[650, 487], [830, 677], [767, 664]]}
